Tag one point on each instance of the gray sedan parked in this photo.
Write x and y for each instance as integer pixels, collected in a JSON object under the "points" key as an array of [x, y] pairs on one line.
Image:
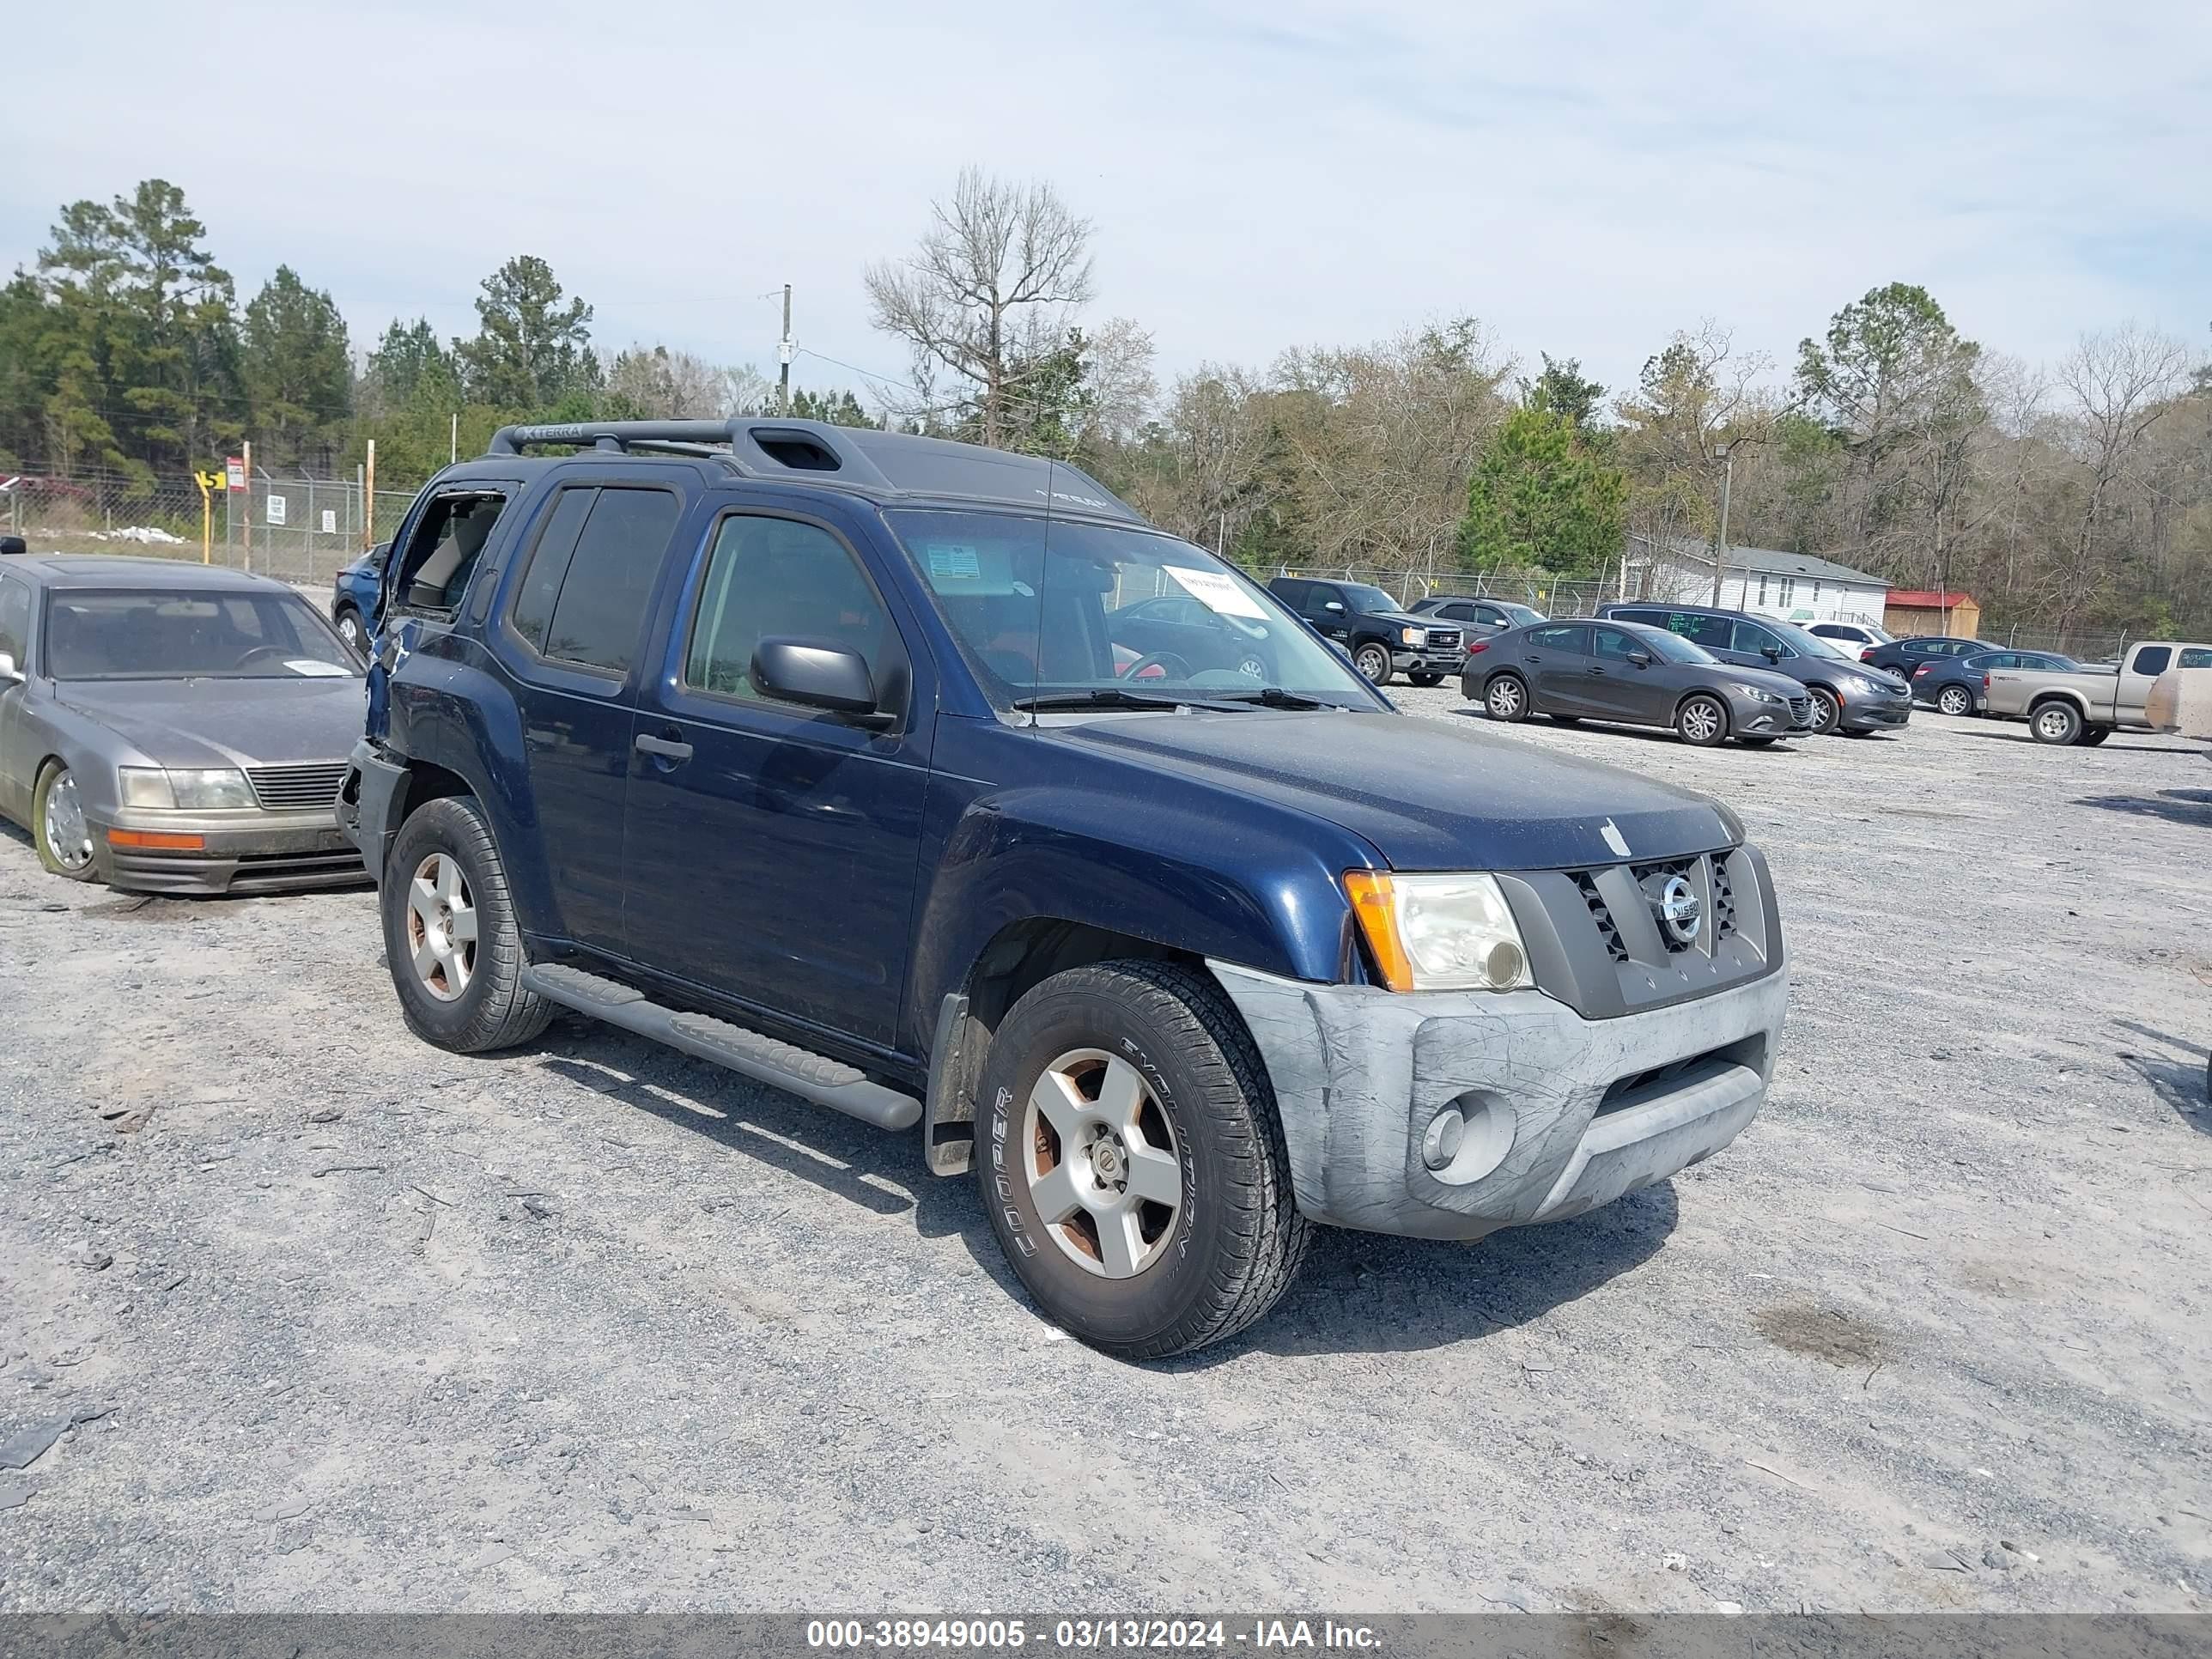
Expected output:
{"points": [[1641, 676], [173, 728]]}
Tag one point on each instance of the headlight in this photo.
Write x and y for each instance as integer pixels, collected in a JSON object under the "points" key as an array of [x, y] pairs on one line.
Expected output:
{"points": [[210, 790], [1756, 694], [1449, 932], [1416, 637], [1862, 684]]}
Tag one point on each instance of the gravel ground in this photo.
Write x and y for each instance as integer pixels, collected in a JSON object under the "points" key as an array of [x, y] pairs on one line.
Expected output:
{"points": [[341, 1322]]}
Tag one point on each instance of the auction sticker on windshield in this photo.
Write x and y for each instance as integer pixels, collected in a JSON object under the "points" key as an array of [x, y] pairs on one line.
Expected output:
{"points": [[1216, 592]]}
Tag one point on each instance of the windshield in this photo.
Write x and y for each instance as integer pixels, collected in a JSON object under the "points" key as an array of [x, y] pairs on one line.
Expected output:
{"points": [[148, 635], [1809, 645], [1113, 611], [1368, 600], [1522, 616], [1672, 648]]}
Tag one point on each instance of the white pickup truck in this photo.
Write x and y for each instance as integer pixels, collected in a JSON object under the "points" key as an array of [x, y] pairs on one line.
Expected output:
{"points": [[2089, 704]]}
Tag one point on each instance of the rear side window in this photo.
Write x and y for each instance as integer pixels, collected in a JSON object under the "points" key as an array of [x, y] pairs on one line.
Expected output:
{"points": [[443, 551], [2197, 657], [1711, 632], [1655, 618], [15, 619], [583, 599], [1572, 641], [2153, 658]]}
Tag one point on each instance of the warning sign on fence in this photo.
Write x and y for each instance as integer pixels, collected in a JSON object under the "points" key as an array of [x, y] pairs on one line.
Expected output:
{"points": [[330, 522], [233, 471], [275, 514]]}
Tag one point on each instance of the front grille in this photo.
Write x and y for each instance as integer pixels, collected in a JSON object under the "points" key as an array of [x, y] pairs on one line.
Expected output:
{"points": [[1601, 915], [1686, 868], [1723, 900], [1800, 711], [290, 788], [1443, 639]]}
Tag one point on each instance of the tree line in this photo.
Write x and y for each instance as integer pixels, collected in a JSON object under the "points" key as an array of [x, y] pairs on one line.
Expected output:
{"points": [[2077, 494]]}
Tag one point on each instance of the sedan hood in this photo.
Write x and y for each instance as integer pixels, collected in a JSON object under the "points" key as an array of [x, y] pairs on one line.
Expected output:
{"points": [[293, 721], [1426, 794]]}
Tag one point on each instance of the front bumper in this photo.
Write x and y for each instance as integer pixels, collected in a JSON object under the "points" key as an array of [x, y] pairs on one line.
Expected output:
{"points": [[1750, 718], [239, 853], [1875, 712], [364, 808], [1449, 660], [1563, 1114]]}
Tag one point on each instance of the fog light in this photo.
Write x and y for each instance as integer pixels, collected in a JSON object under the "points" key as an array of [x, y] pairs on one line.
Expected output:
{"points": [[1441, 1145]]}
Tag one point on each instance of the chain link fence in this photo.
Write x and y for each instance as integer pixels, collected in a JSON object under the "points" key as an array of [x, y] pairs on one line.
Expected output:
{"points": [[298, 528]]}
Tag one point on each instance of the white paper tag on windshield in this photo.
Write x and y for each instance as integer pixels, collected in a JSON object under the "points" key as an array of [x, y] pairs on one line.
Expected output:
{"points": [[1217, 590], [315, 670]]}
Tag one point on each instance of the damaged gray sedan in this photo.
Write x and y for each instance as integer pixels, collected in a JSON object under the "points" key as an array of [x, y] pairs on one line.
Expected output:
{"points": [[173, 728]]}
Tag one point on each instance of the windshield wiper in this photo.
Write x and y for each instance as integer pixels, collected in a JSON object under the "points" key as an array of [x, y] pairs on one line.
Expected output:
{"points": [[1275, 696], [1103, 697]]}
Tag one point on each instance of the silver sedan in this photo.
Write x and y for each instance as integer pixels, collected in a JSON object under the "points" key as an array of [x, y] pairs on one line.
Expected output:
{"points": [[173, 728]]}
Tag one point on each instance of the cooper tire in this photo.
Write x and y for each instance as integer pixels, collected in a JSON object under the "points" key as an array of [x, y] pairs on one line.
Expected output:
{"points": [[1235, 1238], [482, 1005], [1506, 698], [1373, 663], [1955, 700], [1828, 710], [75, 860], [1702, 720], [1425, 678], [2057, 724]]}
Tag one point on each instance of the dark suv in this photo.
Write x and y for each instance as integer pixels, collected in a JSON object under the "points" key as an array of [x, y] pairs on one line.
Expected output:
{"points": [[1847, 696], [1381, 635], [821, 755]]}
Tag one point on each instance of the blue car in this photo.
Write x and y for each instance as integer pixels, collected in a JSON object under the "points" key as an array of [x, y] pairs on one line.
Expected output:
{"points": [[1955, 685], [867, 766], [353, 599]]}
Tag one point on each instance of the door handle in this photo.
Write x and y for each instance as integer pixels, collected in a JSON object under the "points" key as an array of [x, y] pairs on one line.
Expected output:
{"points": [[668, 748], [1599, 672]]}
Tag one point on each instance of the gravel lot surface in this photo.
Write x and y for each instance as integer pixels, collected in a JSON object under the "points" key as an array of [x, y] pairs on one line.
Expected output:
{"points": [[297, 1313]]}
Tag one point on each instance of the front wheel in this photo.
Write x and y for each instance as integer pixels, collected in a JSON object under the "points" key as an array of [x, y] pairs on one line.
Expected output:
{"points": [[2055, 723], [1373, 663], [59, 826], [1827, 711], [1135, 1173], [450, 936], [1506, 698], [1702, 720], [1424, 677]]}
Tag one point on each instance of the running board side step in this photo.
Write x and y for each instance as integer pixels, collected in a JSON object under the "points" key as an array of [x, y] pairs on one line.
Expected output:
{"points": [[817, 1078]]}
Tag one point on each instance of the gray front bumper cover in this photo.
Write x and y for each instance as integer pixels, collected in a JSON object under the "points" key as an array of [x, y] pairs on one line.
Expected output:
{"points": [[1359, 1072]]}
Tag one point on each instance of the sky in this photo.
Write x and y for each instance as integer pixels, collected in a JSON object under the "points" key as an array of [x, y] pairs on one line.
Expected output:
{"points": [[1263, 173]]}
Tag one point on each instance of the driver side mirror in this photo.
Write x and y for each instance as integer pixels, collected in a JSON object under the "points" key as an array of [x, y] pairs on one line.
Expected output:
{"points": [[1641, 658], [1772, 653], [1335, 606], [831, 677], [10, 674]]}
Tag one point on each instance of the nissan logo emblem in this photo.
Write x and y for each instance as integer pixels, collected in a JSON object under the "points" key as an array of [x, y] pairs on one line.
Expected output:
{"points": [[1678, 911]]}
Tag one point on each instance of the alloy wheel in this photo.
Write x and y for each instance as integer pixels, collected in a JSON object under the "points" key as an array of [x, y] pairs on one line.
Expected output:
{"points": [[442, 928], [1102, 1164], [1505, 698], [1701, 721], [1953, 700]]}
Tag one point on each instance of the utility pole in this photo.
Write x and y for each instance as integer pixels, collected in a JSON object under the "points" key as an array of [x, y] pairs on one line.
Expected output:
{"points": [[1719, 553], [454, 441], [783, 356]]}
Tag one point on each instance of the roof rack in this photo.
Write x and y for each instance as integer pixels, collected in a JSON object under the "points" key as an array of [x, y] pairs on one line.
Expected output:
{"points": [[887, 463]]}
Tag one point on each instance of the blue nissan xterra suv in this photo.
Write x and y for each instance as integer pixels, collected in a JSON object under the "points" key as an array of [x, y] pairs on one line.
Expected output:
{"points": [[931, 784]]}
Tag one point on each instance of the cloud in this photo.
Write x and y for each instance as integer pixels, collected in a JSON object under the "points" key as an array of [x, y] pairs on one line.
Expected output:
{"points": [[1262, 174]]}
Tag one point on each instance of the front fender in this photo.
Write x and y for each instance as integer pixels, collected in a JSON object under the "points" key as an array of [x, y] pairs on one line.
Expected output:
{"points": [[1253, 893]]}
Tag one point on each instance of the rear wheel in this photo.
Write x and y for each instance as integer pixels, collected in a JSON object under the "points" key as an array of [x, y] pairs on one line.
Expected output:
{"points": [[2055, 723], [1702, 720], [1506, 698], [1373, 663], [1425, 677], [1954, 701], [1136, 1174], [59, 824], [450, 936]]}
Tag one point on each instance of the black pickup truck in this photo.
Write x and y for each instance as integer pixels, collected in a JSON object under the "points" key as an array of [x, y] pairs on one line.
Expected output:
{"points": [[1381, 637], [868, 766]]}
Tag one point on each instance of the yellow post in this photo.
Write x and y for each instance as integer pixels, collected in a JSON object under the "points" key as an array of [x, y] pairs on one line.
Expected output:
{"points": [[207, 481]]}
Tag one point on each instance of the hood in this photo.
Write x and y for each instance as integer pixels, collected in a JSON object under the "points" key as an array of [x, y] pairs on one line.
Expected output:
{"points": [[1766, 679], [220, 722], [1425, 794]]}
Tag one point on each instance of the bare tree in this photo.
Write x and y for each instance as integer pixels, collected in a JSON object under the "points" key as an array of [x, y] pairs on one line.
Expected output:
{"points": [[675, 385], [2118, 386], [989, 289]]}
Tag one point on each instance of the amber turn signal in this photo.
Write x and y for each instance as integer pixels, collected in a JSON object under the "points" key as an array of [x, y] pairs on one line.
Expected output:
{"points": [[154, 841], [1369, 892]]}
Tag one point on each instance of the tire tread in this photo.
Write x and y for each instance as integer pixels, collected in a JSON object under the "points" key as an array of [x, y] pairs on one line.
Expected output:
{"points": [[508, 1016]]}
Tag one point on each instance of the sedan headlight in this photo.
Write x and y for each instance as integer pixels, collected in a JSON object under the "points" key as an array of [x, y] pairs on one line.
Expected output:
{"points": [[211, 789], [1863, 686], [1415, 637], [1439, 933], [1757, 694]]}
